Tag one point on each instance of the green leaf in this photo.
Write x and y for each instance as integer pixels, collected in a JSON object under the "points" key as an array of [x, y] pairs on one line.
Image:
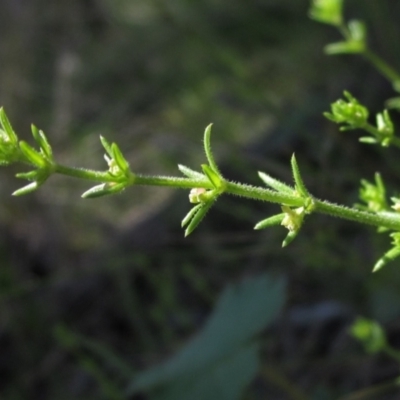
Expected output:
{"points": [[385, 124], [327, 11], [222, 358], [348, 47], [275, 184], [393, 103], [27, 189], [42, 141], [30, 176], [5, 123], [367, 140], [190, 173], [32, 155], [358, 31], [104, 189], [271, 221], [198, 217], [190, 214], [119, 158], [300, 187], [391, 255], [207, 149], [290, 237], [106, 145], [212, 176], [373, 194]]}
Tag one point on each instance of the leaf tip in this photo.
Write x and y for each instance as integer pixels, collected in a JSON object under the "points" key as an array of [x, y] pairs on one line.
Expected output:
{"points": [[378, 266]]}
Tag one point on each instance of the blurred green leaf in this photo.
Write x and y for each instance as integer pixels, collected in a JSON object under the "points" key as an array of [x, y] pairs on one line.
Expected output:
{"points": [[327, 11], [222, 359], [348, 47]]}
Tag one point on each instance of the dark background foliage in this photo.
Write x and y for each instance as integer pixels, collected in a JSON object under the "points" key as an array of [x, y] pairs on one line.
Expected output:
{"points": [[117, 272]]}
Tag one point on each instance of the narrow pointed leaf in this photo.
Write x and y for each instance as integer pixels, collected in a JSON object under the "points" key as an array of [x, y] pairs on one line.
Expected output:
{"points": [[31, 154], [95, 191], [31, 175], [190, 173], [213, 177], [207, 148], [106, 145], [116, 187], [198, 217], [393, 102], [271, 221], [301, 188], [119, 158], [104, 189], [348, 47], [380, 185], [42, 141], [27, 189], [289, 238], [391, 255], [367, 140], [190, 215], [5, 123], [275, 184]]}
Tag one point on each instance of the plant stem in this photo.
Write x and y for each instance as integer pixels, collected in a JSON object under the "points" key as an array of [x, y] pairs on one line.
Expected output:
{"points": [[356, 215], [83, 173], [262, 194], [182, 183], [382, 66], [238, 189]]}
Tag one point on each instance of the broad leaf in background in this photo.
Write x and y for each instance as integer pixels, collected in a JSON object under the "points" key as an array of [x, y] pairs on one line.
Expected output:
{"points": [[223, 358]]}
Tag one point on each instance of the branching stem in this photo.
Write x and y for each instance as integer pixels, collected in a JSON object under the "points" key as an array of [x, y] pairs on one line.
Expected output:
{"points": [[243, 190]]}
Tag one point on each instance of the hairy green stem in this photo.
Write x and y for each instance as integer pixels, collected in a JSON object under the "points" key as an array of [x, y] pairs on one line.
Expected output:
{"points": [[243, 190], [356, 215], [259, 193], [182, 183], [83, 173]]}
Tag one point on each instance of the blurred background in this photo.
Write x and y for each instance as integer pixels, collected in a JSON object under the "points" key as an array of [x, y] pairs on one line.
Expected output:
{"points": [[115, 276]]}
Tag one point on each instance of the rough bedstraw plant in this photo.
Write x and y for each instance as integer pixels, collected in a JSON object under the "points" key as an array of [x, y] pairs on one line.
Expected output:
{"points": [[207, 185]]}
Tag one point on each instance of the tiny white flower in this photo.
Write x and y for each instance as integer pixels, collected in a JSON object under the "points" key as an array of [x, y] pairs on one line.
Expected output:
{"points": [[195, 195]]}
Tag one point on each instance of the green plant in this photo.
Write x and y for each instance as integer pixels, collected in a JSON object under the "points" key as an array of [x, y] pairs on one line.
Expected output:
{"points": [[206, 186]]}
